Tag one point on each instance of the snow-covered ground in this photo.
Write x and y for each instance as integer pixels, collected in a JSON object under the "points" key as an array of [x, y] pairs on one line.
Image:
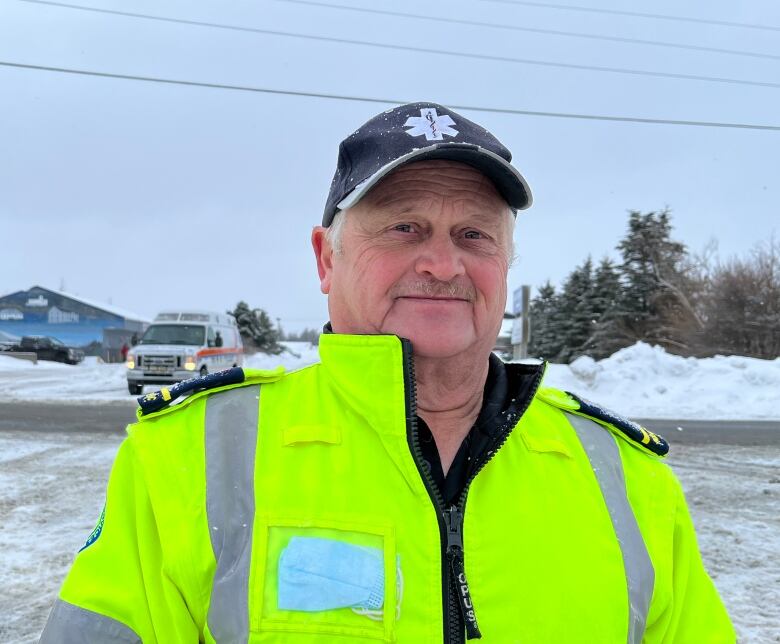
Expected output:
{"points": [[51, 493], [52, 486], [95, 381], [640, 381]]}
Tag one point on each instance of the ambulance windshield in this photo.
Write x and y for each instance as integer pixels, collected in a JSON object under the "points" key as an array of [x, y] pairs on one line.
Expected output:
{"points": [[193, 334]]}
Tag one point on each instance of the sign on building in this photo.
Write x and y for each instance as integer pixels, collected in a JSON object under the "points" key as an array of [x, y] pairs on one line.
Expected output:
{"points": [[57, 316], [11, 314], [37, 301]]}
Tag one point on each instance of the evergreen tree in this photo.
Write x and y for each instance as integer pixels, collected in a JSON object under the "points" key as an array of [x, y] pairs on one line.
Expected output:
{"points": [[649, 257], [576, 311], [650, 296], [607, 289], [545, 340], [654, 306], [606, 333], [256, 329]]}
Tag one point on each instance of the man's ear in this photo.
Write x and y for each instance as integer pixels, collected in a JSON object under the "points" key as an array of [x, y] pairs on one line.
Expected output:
{"points": [[323, 252]]}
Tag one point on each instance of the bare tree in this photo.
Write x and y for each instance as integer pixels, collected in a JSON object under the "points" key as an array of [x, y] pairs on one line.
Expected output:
{"points": [[742, 307]]}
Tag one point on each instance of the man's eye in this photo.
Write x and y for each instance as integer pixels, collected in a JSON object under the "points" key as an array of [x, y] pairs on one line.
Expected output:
{"points": [[472, 234], [403, 228]]}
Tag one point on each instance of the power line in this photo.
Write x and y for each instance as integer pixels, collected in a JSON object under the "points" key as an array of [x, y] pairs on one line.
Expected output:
{"points": [[534, 30], [388, 101], [637, 14], [424, 50]]}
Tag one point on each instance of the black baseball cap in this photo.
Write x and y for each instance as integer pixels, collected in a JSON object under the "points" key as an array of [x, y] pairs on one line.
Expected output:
{"points": [[417, 132]]}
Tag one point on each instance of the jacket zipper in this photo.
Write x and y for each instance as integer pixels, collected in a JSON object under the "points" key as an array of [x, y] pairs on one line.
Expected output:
{"points": [[451, 519], [457, 512], [410, 390], [454, 519]]}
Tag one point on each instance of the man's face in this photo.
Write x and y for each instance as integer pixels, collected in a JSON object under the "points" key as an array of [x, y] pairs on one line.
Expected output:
{"points": [[424, 256]]}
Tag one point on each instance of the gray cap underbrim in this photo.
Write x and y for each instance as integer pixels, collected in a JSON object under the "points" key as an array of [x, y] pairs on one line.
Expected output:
{"points": [[507, 180]]}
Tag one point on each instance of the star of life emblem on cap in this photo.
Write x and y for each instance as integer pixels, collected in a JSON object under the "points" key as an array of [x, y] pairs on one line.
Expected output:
{"points": [[429, 123]]}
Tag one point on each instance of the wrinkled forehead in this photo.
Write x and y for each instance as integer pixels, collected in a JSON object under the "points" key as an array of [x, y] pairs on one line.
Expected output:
{"points": [[436, 180]]}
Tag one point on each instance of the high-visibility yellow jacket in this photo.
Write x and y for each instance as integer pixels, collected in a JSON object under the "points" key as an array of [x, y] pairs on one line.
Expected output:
{"points": [[571, 532]]}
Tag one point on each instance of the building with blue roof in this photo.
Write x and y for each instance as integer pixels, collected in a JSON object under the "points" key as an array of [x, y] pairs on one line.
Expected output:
{"points": [[74, 320]]}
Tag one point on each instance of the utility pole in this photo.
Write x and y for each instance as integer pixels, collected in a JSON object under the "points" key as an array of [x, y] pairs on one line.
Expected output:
{"points": [[521, 326]]}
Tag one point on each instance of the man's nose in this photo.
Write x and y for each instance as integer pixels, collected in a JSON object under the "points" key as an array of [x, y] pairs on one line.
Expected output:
{"points": [[441, 259]]}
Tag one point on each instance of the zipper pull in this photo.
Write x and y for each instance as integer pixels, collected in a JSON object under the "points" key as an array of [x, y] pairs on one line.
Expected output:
{"points": [[453, 519]]}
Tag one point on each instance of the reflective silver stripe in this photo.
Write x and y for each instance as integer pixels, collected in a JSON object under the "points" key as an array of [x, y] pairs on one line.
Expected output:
{"points": [[231, 435], [69, 624], [604, 457]]}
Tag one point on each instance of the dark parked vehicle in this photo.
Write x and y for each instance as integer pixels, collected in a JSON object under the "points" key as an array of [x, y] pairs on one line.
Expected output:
{"points": [[47, 348]]}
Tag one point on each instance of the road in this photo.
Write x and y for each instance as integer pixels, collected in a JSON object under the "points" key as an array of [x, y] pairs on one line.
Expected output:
{"points": [[749, 433], [55, 417]]}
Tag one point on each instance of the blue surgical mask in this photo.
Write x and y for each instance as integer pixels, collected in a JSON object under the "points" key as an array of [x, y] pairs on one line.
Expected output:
{"points": [[324, 574]]}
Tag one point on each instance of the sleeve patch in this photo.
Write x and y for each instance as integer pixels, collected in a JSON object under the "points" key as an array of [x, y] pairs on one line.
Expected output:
{"points": [[634, 431], [96, 532]]}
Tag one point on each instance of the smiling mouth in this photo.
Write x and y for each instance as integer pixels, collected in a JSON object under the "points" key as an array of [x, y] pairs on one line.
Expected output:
{"points": [[429, 298]]}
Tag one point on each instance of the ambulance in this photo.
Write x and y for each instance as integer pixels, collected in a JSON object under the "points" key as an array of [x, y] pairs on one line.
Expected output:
{"points": [[183, 344]]}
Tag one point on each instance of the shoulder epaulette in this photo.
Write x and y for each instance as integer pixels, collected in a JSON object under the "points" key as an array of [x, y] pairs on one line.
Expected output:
{"points": [[627, 428], [158, 400]]}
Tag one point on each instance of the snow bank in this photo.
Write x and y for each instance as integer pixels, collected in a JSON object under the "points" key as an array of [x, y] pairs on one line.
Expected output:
{"points": [[643, 381], [45, 381], [17, 364]]}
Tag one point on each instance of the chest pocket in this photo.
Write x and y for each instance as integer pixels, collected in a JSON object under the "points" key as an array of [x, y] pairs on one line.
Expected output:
{"points": [[313, 579]]}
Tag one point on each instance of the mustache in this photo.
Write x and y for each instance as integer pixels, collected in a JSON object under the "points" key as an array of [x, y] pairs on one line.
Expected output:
{"points": [[433, 289]]}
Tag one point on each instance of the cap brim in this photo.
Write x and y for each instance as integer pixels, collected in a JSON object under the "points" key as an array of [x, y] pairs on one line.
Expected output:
{"points": [[508, 181]]}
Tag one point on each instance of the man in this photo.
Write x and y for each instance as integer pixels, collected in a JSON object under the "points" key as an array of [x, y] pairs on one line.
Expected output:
{"points": [[410, 487]]}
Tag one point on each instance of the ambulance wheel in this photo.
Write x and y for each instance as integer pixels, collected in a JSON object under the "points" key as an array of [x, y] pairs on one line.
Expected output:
{"points": [[134, 389], [203, 371]]}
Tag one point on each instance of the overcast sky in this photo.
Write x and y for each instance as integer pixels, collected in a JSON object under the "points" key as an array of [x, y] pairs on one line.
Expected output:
{"points": [[160, 196]]}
